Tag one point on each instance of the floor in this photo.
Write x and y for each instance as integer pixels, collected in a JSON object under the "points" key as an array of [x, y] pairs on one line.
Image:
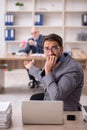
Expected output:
{"points": [[17, 90], [16, 85]]}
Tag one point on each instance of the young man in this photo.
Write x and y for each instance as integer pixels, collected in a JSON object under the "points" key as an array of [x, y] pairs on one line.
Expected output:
{"points": [[33, 45], [62, 76]]}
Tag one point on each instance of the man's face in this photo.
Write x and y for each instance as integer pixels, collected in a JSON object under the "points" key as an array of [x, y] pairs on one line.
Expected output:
{"points": [[52, 48], [35, 34]]}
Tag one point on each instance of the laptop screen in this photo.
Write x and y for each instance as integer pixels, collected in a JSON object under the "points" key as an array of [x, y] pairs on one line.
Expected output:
{"points": [[42, 112]]}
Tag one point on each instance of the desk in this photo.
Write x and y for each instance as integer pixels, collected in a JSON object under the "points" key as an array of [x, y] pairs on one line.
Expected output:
{"points": [[39, 58], [15, 61], [78, 124], [80, 57]]}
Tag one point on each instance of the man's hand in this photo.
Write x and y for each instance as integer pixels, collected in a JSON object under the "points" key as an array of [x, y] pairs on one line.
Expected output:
{"points": [[28, 64], [50, 63], [22, 45], [31, 42]]}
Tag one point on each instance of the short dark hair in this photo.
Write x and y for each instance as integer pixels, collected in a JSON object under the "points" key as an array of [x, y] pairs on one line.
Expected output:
{"points": [[53, 37]]}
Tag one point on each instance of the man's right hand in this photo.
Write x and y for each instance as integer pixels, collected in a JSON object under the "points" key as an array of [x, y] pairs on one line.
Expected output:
{"points": [[31, 42], [29, 64], [50, 63]]}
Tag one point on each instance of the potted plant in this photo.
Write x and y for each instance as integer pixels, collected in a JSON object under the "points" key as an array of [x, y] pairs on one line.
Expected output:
{"points": [[19, 5]]}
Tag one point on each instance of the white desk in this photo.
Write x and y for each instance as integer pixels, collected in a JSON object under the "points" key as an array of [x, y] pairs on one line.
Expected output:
{"points": [[78, 124]]}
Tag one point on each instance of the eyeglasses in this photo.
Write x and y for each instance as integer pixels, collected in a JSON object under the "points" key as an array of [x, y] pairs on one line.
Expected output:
{"points": [[52, 49], [33, 33]]}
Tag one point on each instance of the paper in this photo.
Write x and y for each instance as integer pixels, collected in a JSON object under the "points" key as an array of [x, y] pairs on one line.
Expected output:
{"points": [[4, 107]]}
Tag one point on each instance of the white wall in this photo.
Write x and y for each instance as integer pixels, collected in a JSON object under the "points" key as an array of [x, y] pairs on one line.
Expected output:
{"points": [[70, 35], [2, 47]]}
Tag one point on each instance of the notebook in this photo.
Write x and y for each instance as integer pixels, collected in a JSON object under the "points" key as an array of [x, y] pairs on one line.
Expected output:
{"points": [[42, 112]]}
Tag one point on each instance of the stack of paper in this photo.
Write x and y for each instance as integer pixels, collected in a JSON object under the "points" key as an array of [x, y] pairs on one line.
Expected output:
{"points": [[5, 114]]}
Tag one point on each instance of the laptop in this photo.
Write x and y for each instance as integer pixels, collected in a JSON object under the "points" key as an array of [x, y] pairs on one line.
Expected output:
{"points": [[42, 112]]}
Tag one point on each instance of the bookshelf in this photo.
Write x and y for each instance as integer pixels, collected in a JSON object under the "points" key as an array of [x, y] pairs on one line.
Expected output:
{"points": [[63, 17]]}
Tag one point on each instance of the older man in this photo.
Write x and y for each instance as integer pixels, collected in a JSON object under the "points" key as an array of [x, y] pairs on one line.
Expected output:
{"points": [[34, 45]]}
